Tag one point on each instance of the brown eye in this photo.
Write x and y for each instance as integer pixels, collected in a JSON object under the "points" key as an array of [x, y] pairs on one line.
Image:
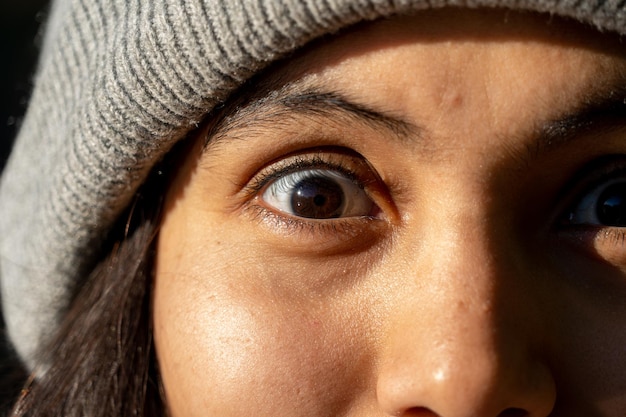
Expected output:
{"points": [[604, 205], [317, 194], [611, 205]]}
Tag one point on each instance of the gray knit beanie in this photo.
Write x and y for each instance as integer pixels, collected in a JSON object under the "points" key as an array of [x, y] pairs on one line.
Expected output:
{"points": [[119, 82]]}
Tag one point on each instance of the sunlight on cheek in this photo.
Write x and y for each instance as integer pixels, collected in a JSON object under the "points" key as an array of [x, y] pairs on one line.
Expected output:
{"points": [[236, 320], [275, 354]]}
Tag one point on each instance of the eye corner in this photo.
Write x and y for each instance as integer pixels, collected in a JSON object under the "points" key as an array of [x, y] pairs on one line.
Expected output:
{"points": [[598, 195]]}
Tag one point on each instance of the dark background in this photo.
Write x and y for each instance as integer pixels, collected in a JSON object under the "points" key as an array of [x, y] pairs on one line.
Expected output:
{"points": [[20, 23], [20, 35]]}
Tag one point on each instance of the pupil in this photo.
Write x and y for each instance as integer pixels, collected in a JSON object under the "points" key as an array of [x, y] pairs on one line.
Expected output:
{"points": [[611, 209], [317, 198]]}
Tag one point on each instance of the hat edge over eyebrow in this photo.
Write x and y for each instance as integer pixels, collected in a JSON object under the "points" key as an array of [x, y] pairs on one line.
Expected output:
{"points": [[119, 83]]}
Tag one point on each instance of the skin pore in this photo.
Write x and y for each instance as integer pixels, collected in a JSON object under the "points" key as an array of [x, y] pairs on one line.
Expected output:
{"points": [[461, 258]]}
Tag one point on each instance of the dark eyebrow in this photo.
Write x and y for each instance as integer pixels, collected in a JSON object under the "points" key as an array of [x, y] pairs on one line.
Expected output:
{"points": [[598, 112], [326, 103], [279, 108]]}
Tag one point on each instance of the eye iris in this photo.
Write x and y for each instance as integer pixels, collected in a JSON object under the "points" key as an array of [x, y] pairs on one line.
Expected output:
{"points": [[611, 209], [317, 198]]}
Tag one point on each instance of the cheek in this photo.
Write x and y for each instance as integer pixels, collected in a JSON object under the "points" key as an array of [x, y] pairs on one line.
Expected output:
{"points": [[227, 344], [589, 357]]}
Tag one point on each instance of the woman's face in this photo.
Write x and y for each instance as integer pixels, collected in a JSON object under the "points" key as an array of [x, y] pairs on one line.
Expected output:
{"points": [[423, 218]]}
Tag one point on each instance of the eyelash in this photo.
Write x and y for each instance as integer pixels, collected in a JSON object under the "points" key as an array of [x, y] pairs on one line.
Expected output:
{"points": [[596, 174], [331, 160], [301, 162]]}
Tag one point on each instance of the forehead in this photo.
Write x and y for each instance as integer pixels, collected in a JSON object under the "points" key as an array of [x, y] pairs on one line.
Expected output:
{"points": [[453, 51], [454, 72], [448, 30]]}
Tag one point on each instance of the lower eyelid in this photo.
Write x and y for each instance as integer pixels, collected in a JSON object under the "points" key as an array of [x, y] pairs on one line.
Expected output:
{"points": [[610, 244], [605, 243], [346, 225], [332, 236]]}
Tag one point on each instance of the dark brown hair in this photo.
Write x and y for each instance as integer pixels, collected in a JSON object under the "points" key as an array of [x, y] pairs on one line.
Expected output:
{"points": [[101, 362]]}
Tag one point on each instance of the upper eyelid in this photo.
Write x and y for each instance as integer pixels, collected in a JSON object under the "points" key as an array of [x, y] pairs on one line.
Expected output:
{"points": [[588, 178], [601, 117], [298, 163], [596, 171]]}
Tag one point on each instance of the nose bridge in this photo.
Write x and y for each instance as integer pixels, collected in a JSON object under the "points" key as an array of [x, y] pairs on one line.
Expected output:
{"points": [[463, 268], [461, 301], [456, 344]]}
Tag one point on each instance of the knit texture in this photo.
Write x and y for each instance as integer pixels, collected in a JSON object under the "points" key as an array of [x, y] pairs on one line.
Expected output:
{"points": [[119, 82]]}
